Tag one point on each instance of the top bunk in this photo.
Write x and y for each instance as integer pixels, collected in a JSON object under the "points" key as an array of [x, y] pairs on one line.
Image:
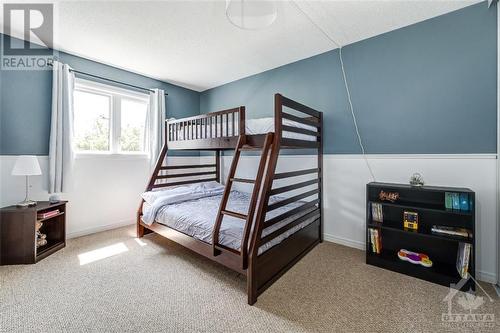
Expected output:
{"points": [[294, 125]]}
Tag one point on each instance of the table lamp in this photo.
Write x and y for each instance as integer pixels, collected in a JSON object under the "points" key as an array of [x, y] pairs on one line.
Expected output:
{"points": [[26, 166]]}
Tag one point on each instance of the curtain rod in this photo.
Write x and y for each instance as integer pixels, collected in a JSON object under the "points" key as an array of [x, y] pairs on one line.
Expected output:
{"points": [[109, 80]]}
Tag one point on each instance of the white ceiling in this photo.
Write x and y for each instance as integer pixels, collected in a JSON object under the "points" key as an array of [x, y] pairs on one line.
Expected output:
{"points": [[192, 44]]}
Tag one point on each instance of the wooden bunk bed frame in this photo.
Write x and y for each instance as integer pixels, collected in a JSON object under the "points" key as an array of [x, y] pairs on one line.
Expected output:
{"points": [[225, 130]]}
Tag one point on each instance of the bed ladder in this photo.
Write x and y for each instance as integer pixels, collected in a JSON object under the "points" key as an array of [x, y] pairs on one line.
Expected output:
{"points": [[248, 218]]}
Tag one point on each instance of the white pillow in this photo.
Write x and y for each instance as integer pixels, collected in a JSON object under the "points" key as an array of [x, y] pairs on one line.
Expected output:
{"points": [[151, 196], [212, 185]]}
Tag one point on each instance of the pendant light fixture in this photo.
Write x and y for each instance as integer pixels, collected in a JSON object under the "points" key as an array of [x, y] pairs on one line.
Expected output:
{"points": [[251, 14]]}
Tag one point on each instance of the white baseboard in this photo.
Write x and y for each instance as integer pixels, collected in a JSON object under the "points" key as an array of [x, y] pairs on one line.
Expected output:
{"points": [[344, 241], [88, 231], [486, 277]]}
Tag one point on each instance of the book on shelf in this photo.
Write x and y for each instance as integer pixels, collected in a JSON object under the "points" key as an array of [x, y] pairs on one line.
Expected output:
{"points": [[377, 213], [463, 259], [448, 200], [375, 240], [451, 231], [456, 201], [372, 240], [464, 202], [48, 214]]}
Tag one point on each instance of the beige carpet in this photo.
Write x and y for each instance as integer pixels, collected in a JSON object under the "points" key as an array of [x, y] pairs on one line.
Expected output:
{"points": [[154, 285]]}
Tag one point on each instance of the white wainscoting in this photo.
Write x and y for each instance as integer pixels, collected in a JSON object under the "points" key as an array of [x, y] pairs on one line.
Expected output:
{"points": [[106, 191], [104, 194], [345, 178]]}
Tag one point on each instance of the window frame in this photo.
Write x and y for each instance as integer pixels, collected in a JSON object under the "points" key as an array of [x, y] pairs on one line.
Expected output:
{"points": [[116, 94]]}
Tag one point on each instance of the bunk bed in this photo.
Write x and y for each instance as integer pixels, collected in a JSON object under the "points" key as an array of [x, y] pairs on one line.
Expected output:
{"points": [[261, 233]]}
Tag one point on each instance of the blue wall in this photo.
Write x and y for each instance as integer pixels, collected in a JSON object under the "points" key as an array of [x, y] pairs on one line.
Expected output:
{"points": [[25, 103], [426, 88]]}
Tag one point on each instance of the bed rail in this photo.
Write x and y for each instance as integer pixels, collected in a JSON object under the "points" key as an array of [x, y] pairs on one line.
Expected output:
{"points": [[296, 126], [287, 122], [214, 130]]}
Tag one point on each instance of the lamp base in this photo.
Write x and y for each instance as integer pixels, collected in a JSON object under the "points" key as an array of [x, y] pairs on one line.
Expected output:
{"points": [[26, 203]]}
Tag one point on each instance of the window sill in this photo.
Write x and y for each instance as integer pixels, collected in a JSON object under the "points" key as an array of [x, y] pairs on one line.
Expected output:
{"points": [[113, 156]]}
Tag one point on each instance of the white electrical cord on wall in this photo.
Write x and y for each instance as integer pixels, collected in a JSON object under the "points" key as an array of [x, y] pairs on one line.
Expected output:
{"points": [[344, 77]]}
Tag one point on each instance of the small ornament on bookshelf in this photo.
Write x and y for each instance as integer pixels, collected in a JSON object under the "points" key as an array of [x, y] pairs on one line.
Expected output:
{"points": [[417, 179], [40, 238], [54, 198], [388, 196]]}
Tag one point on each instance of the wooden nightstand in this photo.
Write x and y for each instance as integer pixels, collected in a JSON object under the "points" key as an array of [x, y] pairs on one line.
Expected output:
{"points": [[18, 235]]}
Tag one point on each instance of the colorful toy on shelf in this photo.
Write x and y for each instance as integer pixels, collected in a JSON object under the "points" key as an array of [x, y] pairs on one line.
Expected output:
{"points": [[415, 258], [410, 220]]}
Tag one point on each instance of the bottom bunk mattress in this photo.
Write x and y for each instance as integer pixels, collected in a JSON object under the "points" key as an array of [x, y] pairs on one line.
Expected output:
{"points": [[196, 218]]}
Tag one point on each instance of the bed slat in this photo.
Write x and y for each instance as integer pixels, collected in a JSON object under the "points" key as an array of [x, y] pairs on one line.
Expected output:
{"points": [[172, 167], [293, 187], [295, 173], [243, 180], [299, 130], [300, 120], [184, 182], [191, 174], [315, 213], [292, 212], [291, 200], [295, 143], [299, 107]]}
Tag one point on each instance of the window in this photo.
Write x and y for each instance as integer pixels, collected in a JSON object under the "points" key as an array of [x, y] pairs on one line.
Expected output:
{"points": [[109, 119]]}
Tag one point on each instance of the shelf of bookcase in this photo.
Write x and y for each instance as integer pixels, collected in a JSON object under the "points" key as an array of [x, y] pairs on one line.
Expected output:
{"points": [[50, 217], [430, 208], [393, 226], [48, 249], [441, 273], [429, 203]]}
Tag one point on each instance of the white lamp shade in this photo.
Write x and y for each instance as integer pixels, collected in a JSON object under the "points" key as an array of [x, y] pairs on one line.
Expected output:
{"points": [[26, 166]]}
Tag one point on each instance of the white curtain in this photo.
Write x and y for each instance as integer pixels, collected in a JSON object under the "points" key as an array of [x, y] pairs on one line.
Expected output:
{"points": [[156, 123], [61, 127]]}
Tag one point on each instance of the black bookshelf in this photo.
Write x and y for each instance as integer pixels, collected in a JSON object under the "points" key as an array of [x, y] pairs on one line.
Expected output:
{"points": [[429, 203]]}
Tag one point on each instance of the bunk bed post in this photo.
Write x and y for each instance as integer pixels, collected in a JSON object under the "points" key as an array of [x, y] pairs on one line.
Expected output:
{"points": [[241, 120], [217, 165], [140, 230]]}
